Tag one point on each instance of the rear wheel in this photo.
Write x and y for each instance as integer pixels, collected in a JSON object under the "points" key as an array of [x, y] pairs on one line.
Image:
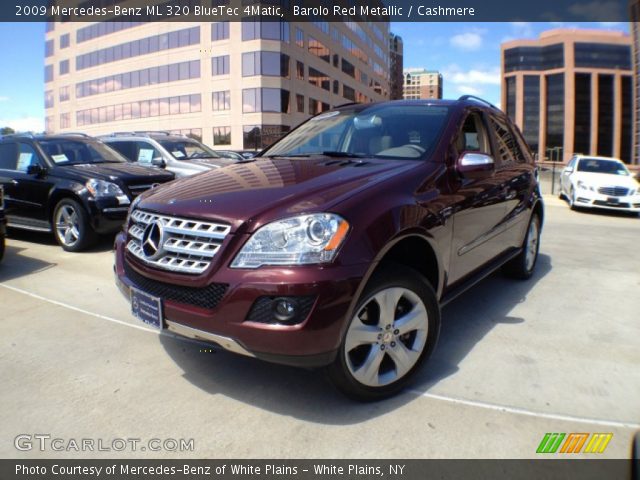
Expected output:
{"points": [[523, 265], [394, 329], [71, 226]]}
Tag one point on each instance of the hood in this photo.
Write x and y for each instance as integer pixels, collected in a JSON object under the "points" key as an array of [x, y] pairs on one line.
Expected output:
{"points": [[125, 172], [606, 180], [212, 163], [260, 191]]}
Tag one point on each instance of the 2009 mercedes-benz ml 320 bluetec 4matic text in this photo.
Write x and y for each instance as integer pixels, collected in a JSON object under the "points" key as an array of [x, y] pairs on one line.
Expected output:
{"points": [[338, 245]]}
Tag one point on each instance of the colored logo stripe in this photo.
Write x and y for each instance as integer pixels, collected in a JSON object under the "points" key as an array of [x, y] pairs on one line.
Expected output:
{"points": [[574, 443], [598, 442], [550, 443]]}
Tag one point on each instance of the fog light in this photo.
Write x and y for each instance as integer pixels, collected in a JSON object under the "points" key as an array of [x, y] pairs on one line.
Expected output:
{"points": [[284, 309]]}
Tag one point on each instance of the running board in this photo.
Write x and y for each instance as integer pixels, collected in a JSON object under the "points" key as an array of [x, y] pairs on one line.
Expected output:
{"points": [[480, 274], [25, 226]]}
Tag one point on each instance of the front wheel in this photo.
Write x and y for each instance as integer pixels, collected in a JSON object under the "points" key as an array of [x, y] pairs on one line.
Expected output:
{"points": [[394, 329], [522, 266], [71, 226]]}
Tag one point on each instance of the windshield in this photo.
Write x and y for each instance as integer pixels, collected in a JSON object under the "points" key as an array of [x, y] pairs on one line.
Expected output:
{"points": [[595, 165], [187, 149], [63, 151], [388, 131]]}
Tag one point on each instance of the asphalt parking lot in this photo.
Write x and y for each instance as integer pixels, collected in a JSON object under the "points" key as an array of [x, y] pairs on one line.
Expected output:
{"points": [[559, 353]]}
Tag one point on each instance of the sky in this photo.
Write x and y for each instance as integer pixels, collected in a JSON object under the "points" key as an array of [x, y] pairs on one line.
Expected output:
{"points": [[467, 54]]}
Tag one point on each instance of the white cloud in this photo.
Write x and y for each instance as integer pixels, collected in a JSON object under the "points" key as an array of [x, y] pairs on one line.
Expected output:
{"points": [[468, 90], [467, 41], [476, 77], [25, 124], [4, 99]]}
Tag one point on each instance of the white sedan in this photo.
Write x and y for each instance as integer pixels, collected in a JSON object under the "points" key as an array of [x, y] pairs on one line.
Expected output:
{"points": [[599, 182]]}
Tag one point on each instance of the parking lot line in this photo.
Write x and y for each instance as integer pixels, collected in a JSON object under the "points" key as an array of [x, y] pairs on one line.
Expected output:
{"points": [[434, 396]]}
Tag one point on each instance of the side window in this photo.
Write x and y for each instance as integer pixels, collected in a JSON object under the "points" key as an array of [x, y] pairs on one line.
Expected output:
{"points": [[473, 136], [8, 154], [124, 148], [27, 156], [146, 153], [572, 163], [508, 149]]}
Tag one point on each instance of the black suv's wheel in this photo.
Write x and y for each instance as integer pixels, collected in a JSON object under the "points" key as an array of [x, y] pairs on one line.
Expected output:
{"points": [[393, 331], [71, 226], [523, 265]]}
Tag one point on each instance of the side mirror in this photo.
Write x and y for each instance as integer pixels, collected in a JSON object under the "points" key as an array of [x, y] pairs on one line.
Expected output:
{"points": [[568, 170], [473, 165], [159, 162], [35, 169]]}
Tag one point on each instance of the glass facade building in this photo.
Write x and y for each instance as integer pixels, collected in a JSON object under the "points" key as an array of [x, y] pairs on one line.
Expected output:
{"points": [[570, 92], [234, 84]]}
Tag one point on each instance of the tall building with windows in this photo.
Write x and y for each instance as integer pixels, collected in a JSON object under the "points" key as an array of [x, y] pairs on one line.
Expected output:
{"points": [[420, 83], [396, 63], [571, 91], [634, 14], [233, 84]]}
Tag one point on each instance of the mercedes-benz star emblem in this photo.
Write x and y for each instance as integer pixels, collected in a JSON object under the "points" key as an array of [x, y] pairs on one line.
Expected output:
{"points": [[152, 240]]}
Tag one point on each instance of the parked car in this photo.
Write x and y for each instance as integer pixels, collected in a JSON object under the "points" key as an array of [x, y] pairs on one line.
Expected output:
{"points": [[3, 223], [339, 245], [230, 154], [179, 154], [248, 153], [599, 182], [72, 185]]}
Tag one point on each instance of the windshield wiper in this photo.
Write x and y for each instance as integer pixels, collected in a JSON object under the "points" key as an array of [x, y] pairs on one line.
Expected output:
{"points": [[331, 153]]}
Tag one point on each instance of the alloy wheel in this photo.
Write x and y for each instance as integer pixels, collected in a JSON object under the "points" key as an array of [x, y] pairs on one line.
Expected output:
{"points": [[386, 337], [533, 238], [67, 225]]}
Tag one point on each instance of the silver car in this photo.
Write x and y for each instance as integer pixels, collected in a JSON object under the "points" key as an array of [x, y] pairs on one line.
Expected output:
{"points": [[179, 154]]}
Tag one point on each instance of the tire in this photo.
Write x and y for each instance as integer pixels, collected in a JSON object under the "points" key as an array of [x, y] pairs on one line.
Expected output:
{"points": [[379, 354], [522, 266], [572, 199], [71, 226], [635, 457]]}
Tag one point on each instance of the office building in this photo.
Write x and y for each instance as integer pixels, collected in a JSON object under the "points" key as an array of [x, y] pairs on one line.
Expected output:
{"points": [[396, 76], [420, 83], [571, 91], [233, 84]]}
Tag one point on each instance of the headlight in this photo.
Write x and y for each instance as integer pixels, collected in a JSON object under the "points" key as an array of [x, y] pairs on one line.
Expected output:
{"points": [[584, 186], [302, 240], [100, 189]]}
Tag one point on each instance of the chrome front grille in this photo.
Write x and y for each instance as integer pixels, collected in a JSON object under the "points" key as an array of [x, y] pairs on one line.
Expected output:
{"points": [[614, 191], [184, 245]]}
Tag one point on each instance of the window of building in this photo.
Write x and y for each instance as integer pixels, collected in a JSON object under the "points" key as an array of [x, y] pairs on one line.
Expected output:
{"points": [[65, 120], [64, 41], [48, 99], [257, 137], [219, 31], [265, 100], [598, 55], [48, 48], [626, 128], [64, 94], [220, 65], [222, 135], [582, 108], [299, 70], [48, 73], [336, 87], [64, 67], [348, 68], [317, 48], [221, 100], [274, 64], [299, 37], [266, 30], [605, 115], [348, 93], [531, 111], [511, 97], [300, 103], [319, 79], [534, 58], [555, 114]]}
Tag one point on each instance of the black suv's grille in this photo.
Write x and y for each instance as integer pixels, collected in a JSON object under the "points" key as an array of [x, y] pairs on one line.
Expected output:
{"points": [[206, 297]]}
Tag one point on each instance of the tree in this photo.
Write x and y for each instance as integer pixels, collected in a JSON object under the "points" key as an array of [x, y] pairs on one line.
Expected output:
{"points": [[6, 131]]}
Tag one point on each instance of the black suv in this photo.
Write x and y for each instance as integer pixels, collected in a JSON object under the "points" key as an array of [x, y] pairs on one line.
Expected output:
{"points": [[73, 185], [3, 221]]}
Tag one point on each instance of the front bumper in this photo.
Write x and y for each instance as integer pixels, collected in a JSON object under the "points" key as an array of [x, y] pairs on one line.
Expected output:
{"points": [[590, 199], [311, 343], [107, 215]]}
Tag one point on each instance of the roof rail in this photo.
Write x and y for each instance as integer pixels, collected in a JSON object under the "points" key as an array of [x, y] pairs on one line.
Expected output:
{"points": [[156, 132], [478, 99], [25, 134], [73, 134], [119, 134]]}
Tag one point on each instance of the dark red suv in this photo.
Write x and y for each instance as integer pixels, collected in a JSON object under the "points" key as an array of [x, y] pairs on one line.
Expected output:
{"points": [[337, 246]]}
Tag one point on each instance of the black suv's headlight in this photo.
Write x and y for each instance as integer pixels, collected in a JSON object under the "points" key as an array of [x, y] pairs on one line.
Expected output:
{"points": [[300, 240], [102, 189]]}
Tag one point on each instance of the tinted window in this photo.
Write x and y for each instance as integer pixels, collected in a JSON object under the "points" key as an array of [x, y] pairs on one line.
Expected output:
{"points": [[186, 149], [598, 55], [534, 58], [74, 152], [508, 149], [472, 136], [27, 156], [582, 101], [531, 127], [8, 154]]}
